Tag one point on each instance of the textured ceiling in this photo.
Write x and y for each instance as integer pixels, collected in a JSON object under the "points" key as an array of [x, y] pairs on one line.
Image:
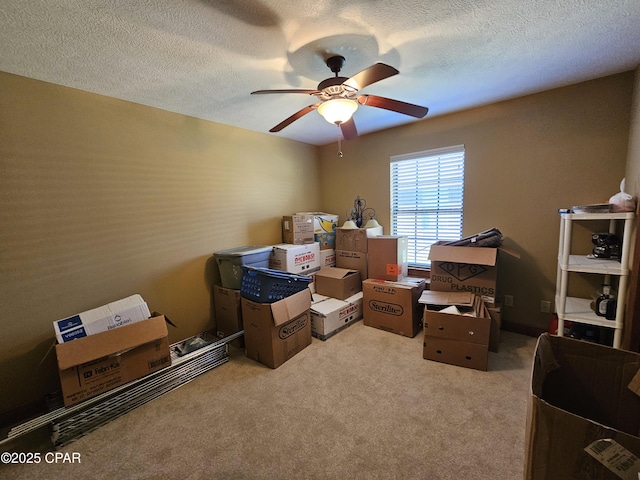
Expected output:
{"points": [[203, 57]]}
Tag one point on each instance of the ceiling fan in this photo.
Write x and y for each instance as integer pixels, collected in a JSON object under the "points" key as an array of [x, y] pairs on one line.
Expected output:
{"points": [[339, 97]]}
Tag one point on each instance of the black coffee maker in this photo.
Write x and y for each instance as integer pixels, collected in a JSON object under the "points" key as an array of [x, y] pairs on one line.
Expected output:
{"points": [[607, 245]]}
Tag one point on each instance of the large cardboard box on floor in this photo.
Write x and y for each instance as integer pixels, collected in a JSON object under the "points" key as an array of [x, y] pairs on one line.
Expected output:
{"points": [[457, 330], [275, 332], [393, 306], [387, 257], [297, 259], [583, 405], [95, 364], [466, 269], [340, 283], [330, 316], [228, 313]]}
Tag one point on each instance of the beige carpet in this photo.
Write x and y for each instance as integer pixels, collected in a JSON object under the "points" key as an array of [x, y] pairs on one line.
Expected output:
{"points": [[362, 405]]}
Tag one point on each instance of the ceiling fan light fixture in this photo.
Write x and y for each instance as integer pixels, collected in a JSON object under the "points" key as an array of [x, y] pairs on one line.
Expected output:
{"points": [[338, 110]]}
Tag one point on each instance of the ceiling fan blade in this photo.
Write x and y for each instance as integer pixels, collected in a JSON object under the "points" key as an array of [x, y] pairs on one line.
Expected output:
{"points": [[290, 90], [373, 74], [393, 105], [294, 117], [348, 128]]}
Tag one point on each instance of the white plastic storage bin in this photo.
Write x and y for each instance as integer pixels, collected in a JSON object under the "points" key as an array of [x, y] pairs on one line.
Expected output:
{"points": [[230, 263]]}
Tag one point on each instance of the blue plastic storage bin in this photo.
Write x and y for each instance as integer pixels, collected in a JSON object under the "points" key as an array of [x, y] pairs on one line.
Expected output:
{"points": [[264, 285]]}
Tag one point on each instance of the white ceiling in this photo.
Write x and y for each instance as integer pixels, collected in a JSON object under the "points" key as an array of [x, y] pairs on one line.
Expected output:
{"points": [[203, 57]]}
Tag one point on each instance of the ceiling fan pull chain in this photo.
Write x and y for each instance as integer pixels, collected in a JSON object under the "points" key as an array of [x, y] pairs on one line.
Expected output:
{"points": [[339, 143]]}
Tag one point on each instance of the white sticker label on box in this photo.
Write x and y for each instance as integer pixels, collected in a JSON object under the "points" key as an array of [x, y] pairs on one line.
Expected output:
{"points": [[616, 458]]}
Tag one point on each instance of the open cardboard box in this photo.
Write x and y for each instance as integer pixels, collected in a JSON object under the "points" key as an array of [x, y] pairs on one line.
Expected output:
{"points": [[275, 332], [465, 302], [466, 269], [330, 316], [460, 338], [340, 283], [581, 393], [92, 365]]}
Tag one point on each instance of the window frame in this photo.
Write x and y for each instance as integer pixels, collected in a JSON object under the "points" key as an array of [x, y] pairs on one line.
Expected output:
{"points": [[427, 155]]}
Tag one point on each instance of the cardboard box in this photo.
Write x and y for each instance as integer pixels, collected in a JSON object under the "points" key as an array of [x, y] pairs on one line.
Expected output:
{"points": [[316, 297], [393, 306], [107, 317], [97, 363], [387, 257], [495, 312], [325, 225], [460, 338], [298, 229], [339, 283], [353, 261], [455, 352], [581, 393], [297, 259], [331, 315], [228, 312], [352, 239], [466, 269], [275, 332], [327, 258], [464, 300]]}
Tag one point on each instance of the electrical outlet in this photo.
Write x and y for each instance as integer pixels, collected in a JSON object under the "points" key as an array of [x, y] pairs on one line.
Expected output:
{"points": [[545, 306], [508, 300]]}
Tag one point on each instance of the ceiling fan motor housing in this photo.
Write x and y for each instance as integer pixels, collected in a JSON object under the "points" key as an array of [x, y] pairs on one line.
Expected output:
{"points": [[333, 85]]}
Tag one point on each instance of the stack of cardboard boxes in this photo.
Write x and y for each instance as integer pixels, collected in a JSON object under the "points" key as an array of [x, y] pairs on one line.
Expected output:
{"points": [[226, 295], [390, 297], [351, 249], [457, 329], [276, 331], [469, 276], [324, 233], [460, 314], [337, 302], [370, 281], [307, 244]]}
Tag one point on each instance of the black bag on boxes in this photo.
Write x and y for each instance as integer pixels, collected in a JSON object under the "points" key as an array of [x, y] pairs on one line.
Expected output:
{"points": [[489, 238]]}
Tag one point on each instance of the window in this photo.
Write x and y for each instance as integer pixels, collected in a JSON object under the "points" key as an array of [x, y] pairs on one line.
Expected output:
{"points": [[426, 199]]}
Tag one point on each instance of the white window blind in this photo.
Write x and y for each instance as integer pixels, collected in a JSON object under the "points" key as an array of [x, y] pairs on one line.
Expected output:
{"points": [[426, 199]]}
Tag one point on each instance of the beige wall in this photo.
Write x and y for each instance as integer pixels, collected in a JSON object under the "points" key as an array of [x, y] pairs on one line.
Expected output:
{"points": [[525, 159], [103, 198]]}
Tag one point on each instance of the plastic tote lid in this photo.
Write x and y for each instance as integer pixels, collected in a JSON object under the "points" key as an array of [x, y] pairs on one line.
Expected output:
{"points": [[241, 251]]}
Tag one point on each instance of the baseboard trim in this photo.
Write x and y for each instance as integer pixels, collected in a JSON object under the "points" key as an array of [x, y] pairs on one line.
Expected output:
{"points": [[523, 329], [18, 415]]}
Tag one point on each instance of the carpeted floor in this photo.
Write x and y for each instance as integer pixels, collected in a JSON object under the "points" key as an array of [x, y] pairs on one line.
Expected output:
{"points": [[362, 405]]}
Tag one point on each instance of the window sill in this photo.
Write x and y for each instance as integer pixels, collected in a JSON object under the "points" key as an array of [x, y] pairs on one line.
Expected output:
{"points": [[420, 272]]}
